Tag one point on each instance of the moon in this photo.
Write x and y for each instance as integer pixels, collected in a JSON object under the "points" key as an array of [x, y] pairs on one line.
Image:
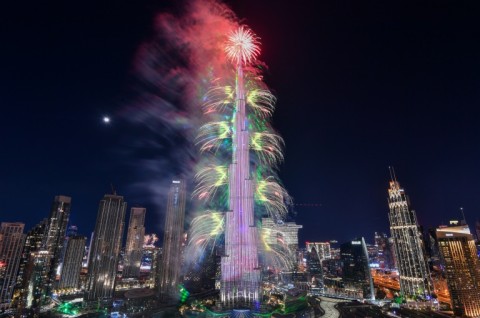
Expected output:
{"points": [[106, 119]]}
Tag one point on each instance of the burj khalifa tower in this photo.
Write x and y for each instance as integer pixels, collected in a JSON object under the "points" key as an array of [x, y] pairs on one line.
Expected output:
{"points": [[240, 280]]}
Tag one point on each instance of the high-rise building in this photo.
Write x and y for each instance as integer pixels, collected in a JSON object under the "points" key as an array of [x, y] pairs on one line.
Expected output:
{"points": [[12, 240], [105, 247], [25, 279], [72, 262], [462, 268], [72, 230], [356, 270], [55, 239], [384, 257], [173, 239], [240, 282], [39, 271], [134, 244], [322, 248], [409, 247], [315, 271]]}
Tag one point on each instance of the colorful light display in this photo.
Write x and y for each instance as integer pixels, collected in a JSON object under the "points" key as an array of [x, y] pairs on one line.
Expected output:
{"points": [[238, 184]]}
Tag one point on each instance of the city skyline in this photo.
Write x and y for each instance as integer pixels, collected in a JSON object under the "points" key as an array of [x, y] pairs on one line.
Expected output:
{"points": [[438, 151], [187, 122]]}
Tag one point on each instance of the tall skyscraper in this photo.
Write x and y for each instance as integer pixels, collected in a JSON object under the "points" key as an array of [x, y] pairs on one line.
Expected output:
{"points": [[12, 240], [26, 284], [356, 270], [39, 271], [72, 262], [462, 268], [134, 244], [240, 285], [55, 239], [72, 230], [409, 247], [173, 239], [105, 247]]}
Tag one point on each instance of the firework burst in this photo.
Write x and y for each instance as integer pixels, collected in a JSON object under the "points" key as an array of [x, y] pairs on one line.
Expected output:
{"points": [[273, 197], [242, 46], [209, 179]]}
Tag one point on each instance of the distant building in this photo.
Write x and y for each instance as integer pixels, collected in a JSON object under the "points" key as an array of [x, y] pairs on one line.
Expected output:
{"points": [[322, 248], [384, 250], [55, 239], [72, 230], [134, 244], [39, 269], [105, 248], [26, 282], [462, 269], [356, 270], [409, 247], [72, 263], [315, 271], [372, 251], [11, 244], [173, 238]]}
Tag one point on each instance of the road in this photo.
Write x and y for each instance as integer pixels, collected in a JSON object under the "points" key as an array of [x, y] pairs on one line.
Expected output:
{"points": [[391, 282], [359, 310], [328, 304]]}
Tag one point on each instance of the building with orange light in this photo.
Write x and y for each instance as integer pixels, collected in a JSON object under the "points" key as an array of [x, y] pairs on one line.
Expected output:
{"points": [[462, 268]]}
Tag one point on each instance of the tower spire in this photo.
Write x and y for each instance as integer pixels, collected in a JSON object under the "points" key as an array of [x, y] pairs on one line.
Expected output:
{"points": [[463, 216], [393, 177]]}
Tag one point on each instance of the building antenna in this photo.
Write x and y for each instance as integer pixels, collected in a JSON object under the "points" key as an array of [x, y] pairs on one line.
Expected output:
{"points": [[463, 215], [114, 192], [393, 177]]}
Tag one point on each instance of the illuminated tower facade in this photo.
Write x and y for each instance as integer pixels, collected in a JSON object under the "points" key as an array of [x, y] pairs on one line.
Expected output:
{"points": [[105, 247], [173, 238], [462, 267], [409, 249], [134, 244], [240, 282], [27, 282], [72, 262], [55, 239], [11, 245]]}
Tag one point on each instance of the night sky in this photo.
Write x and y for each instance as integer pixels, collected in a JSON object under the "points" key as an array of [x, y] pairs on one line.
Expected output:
{"points": [[361, 86]]}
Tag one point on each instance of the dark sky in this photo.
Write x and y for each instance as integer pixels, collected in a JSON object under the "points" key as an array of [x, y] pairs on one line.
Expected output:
{"points": [[361, 85]]}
